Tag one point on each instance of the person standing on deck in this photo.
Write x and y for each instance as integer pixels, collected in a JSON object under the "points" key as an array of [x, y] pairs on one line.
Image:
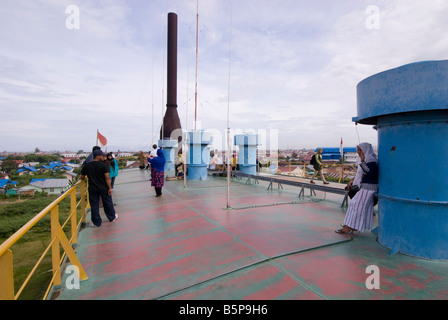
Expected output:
{"points": [[157, 172], [90, 156], [99, 187], [153, 152], [141, 159], [318, 166], [113, 164]]}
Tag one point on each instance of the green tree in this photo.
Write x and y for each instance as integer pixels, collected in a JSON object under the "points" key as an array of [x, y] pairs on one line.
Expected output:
{"points": [[41, 158], [8, 166]]}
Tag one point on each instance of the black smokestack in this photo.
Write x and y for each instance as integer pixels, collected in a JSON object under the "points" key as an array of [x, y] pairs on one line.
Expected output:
{"points": [[171, 120]]}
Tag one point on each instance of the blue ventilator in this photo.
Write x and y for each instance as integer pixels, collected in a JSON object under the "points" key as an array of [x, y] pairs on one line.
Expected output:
{"points": [[168, 147], [247, 158], [198, 156], [409, 108]]}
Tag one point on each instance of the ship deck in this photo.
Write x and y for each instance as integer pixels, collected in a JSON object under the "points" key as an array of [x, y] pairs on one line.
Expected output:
{"points": [[271, 245]]}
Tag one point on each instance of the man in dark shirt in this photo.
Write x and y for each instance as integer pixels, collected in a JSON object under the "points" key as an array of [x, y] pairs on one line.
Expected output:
{"points": [[90, 157], [99, 186]]}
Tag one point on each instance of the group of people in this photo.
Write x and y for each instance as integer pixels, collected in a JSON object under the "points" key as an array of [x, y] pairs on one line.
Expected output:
{"points": [[101, 169], [218, 160]]}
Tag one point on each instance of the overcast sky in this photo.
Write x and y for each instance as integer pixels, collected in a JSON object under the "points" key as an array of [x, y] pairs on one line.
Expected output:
{"points": [[294, 67]]}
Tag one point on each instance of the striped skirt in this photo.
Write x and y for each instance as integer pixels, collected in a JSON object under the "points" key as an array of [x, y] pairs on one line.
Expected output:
{"points": [[158, 178], [359, 214]]}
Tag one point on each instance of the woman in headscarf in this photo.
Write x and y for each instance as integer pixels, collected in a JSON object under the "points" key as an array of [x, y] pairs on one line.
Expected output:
{"points": [[158, 171], [113, 165], [360, 210]]}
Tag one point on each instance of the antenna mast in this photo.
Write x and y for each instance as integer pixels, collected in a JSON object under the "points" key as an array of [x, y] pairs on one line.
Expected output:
{"points": [[229, 169], [196, 85]]}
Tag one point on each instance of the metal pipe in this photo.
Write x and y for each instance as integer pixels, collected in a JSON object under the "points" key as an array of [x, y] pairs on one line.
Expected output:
{"points": [[196, 81], [171, 120]]}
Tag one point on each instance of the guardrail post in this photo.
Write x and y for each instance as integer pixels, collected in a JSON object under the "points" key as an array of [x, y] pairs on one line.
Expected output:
{"points": [[83, 201], [6, 276], [74, 217], [55, 250]]}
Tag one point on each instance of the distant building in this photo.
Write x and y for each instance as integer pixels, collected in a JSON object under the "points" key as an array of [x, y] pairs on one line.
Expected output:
{"points": [[334, 154], [19, 163], [70, 155], [31, 164], [68, 159], [350, 156], [26, 170], [57, 165], [124, 154], [26, 192], [83, 155], [5, 183], [70, 175], [50, 186], [132, 164]]}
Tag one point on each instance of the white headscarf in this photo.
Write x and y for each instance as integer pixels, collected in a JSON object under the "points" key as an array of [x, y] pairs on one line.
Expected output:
{"points": [[359, 173], [369, 154]]}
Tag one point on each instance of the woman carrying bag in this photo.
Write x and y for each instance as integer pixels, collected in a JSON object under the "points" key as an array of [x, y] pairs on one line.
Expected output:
{"points": [[158, 171]]}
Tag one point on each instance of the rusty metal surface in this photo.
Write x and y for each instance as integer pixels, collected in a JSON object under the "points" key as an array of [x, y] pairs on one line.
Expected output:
{"points": [[171, 120]]}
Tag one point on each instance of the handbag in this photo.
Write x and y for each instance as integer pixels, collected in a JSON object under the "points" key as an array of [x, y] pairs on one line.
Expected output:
{"points": [[352, 191]]}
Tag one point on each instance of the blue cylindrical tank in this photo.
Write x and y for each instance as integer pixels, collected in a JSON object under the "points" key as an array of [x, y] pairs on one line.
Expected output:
{"points": [[247, 158], [198, 154], [409, 106], [168, 147]]}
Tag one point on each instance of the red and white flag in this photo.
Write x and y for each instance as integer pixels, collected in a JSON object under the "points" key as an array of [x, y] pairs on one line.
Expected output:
{"points": [[101, 139]]}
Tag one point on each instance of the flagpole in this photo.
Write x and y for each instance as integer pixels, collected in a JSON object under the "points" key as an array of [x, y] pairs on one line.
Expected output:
{"points": [[341, 149], [185, 135], [96, 137]]}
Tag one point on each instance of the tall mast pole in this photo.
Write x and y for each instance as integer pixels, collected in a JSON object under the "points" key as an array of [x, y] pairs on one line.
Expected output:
{"points": [[196, 85], [229, 169]]}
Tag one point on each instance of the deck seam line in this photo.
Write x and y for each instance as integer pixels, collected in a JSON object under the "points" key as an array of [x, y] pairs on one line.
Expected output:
{"points": [[269, 260]]}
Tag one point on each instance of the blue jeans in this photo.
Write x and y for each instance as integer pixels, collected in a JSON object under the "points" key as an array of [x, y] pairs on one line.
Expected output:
{"points": [[108, 205]]}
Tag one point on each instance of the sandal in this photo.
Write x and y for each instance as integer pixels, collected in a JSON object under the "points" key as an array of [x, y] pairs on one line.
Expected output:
{"points": [[342, 231]]}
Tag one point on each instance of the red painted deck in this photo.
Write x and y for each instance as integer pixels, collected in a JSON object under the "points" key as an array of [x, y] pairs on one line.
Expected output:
{"points": [[186, 245]]}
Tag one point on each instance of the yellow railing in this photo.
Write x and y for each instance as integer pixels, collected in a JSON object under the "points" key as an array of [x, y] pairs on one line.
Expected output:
{"points": [[58, 239]]}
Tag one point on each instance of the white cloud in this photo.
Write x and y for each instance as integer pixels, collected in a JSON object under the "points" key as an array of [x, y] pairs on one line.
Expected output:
{"points": [[294, 67]]}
